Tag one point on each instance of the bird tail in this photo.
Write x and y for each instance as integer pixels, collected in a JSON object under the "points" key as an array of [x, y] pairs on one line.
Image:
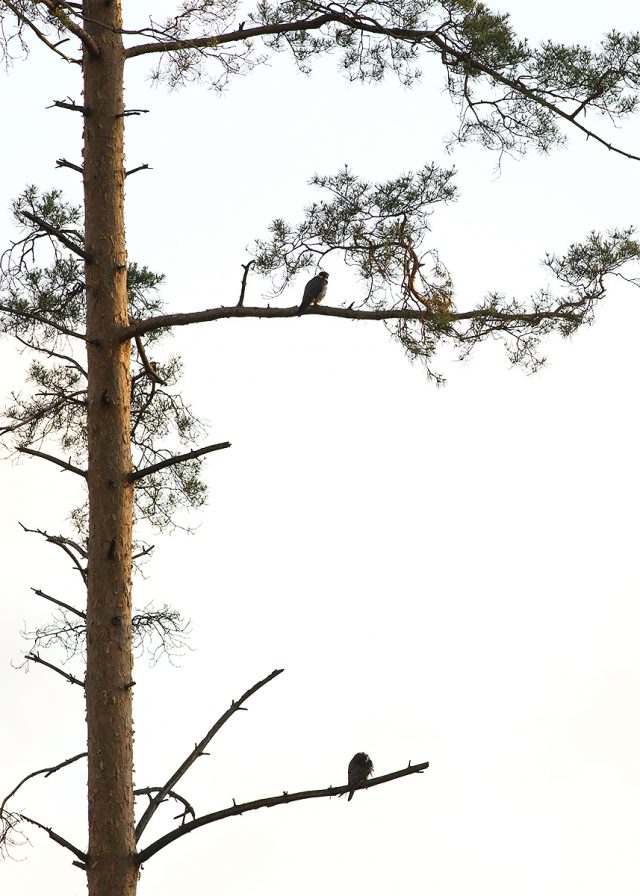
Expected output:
{"points": [[350, 795]]}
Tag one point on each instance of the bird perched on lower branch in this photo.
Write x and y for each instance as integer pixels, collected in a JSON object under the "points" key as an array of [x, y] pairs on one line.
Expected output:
{"points": [[314, 291], [360, 768]]}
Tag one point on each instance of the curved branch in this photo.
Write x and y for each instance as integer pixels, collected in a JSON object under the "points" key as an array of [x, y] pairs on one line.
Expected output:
{"points": [[39, 34], [177, 459], [43, 771], [54, 460], [66, 22], [267, 802], [198, 750], [188, 808], [40, 319]]}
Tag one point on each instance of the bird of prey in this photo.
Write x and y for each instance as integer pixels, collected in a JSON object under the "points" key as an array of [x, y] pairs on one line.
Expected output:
{"points": [[314, 291], [360, 768]]}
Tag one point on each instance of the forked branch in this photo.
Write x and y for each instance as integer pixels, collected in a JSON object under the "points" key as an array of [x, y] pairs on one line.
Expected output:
{"points": [[267, 802], [198, 750]]}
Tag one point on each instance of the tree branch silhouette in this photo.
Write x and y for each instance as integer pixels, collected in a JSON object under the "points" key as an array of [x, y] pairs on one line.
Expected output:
{"points": [[267, 802]]}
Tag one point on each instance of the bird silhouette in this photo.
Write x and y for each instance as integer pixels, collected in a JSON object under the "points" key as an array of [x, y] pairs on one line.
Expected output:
{"points": [[314, 291], [360, 768]]}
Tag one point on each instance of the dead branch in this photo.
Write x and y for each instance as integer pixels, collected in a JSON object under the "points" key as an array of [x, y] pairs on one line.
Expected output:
{"points": [[42, 771], [60, 235], [267, 802], [144, 167], [68, 104], [54, 460], [36, 658], [63, 163], [149, 366], [177, 459], [243, 287], [188, 808], [66, 545], [131, 112], [58, 839], [59, 603], [197, 751]]}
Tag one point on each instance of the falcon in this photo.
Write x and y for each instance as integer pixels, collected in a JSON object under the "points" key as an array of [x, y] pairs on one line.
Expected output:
{"points": [[360, 768], [314, 291]]}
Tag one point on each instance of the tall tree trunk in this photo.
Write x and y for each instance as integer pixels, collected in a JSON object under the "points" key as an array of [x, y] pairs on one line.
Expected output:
{"points": [[112, 869]]}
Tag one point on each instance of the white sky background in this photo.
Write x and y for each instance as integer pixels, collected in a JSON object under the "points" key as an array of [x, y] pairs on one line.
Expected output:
{"points": [[444, 574]]}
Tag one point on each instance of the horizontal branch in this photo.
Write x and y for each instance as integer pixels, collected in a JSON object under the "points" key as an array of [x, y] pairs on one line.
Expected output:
{"points": [[42, 771], [181, 319], [60, 603], [35, 658], [212, 40], [64, 163], [177, 459], [54, 460], [82, 856], [60, 235], [198, 750], [240, 808]]}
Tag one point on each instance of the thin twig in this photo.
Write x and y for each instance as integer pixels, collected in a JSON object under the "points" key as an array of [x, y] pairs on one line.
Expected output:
{"points": [[35, 658], [197, 751], [42, 771], [188, 808], [54, 460], [176, 459], [39, 319], [68, 104], [267, 802]]}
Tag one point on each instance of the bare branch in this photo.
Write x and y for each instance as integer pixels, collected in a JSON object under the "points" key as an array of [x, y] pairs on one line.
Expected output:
{"points": [[51, 354], [54, 460], [188, 808], [197, 751], [66, 545], [63, 163], [149, 367], [145, 167], [246, 268], [68, 104], [59, 234], [267, 802], [177, 459], [43, 771], [131, 112], [83, 857], [36, 658], [59, 603]]}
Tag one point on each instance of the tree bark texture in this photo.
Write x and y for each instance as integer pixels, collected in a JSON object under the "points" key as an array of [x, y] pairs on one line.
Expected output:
{"points": [[112, 870]]}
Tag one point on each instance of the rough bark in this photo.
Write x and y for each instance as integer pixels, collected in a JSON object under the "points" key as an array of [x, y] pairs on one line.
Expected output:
{"points": [[111, 869]]}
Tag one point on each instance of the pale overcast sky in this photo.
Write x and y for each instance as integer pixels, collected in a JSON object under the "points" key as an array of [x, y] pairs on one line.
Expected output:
{"points": [[445, 574]]}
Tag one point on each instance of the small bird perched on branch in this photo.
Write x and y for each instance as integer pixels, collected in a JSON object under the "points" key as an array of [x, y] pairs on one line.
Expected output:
{"points": [[360, 768], [314, 291]]}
